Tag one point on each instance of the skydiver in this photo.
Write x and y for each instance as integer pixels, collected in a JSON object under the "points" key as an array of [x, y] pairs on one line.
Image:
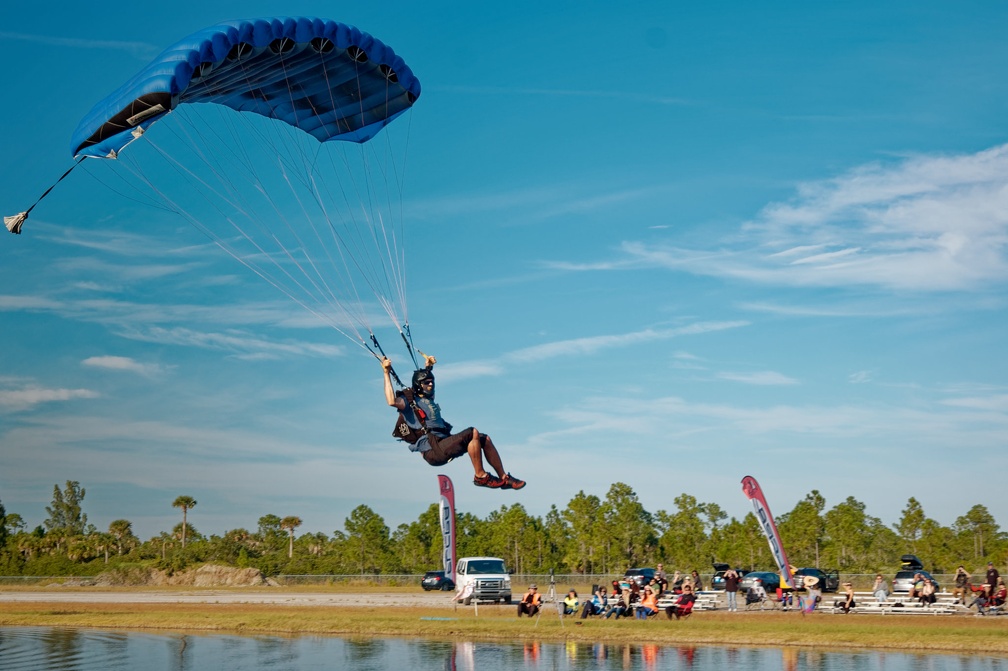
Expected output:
{"points": [[431, 436]]}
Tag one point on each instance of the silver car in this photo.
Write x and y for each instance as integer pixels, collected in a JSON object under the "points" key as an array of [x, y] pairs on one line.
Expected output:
{"points": [[904, 580]]}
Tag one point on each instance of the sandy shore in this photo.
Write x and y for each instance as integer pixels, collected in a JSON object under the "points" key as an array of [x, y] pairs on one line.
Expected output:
{"points": [[265, 596]]}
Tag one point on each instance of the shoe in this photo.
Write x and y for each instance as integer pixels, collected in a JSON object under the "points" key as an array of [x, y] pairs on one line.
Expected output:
{"points": [[491, 481], [511, 482]]}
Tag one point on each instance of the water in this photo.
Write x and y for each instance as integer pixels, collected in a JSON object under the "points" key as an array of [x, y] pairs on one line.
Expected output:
{"points": [[37, 648]]}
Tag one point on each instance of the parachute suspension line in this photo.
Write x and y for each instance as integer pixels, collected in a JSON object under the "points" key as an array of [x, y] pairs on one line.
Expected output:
{"points": [[14, 222], [220, 242]]}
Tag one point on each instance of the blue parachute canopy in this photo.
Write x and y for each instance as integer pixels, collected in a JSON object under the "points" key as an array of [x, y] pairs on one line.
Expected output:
{"points": [[325, 78]]}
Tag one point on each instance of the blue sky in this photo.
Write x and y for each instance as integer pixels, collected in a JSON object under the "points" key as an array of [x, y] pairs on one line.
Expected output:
{"points": [[669, 245]]}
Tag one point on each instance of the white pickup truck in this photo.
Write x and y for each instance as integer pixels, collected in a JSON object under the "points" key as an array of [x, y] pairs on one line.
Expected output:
{"points": [[482, 579]]}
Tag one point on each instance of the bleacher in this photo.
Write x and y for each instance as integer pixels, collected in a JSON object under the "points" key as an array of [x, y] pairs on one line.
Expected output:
{"points": [[895, 604]]}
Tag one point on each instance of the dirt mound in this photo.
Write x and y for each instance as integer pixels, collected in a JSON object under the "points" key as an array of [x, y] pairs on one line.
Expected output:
{"points": [[208, 575]]}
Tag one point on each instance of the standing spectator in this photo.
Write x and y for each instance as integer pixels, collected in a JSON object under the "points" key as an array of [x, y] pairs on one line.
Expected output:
{"points": [[697, 583], [992, 574], [962, 579], [731, 583], [880, 590], [529, 605], [571, 603]]}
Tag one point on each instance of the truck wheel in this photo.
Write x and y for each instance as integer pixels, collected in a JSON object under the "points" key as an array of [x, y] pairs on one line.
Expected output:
{"points": [[507, 599]]}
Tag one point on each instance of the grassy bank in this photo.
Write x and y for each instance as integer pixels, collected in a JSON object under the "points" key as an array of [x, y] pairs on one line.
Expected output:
{"points": [[900, 633]]}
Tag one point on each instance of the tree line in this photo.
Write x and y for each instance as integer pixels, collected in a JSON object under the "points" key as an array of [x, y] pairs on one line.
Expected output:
{"points": [[590, 535]]}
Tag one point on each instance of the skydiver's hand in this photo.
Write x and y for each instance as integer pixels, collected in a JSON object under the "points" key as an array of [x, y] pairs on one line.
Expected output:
{"points": [[386, 364], [429, 361]]}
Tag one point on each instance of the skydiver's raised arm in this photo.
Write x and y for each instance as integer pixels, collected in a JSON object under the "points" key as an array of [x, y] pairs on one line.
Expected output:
{"points": [[390, 395]]}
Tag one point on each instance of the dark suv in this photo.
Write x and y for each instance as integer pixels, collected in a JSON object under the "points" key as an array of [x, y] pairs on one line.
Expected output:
{"points": [[436, 580], [641, 576], [829, 581]]}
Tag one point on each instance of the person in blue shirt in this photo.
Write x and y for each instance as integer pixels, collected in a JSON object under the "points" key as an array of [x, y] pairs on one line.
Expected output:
{"points": [[423, 427]]}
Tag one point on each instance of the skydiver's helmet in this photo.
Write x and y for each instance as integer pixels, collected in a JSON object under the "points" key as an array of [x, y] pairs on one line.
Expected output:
{"points": [[420, 378]]}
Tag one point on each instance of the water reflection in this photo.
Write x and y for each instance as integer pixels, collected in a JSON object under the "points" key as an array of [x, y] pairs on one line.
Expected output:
{"points": [[23, 649]]}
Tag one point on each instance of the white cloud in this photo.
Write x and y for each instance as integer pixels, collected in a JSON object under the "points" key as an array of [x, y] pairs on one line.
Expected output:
{"points": [[30, 396], [578, 347], [122, 363], [923, 223], [763, 378]]}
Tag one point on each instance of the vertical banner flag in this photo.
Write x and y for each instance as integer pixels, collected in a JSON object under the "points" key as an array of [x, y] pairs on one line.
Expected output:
{"points": [[752, 489], [446, 508]]}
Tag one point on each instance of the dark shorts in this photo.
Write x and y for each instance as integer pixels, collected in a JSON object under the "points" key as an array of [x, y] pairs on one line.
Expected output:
{"points": [[444, 450]]}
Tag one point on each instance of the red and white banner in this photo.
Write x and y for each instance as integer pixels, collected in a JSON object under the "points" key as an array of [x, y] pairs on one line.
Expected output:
{"points": [[752, 489], [446, 508]]}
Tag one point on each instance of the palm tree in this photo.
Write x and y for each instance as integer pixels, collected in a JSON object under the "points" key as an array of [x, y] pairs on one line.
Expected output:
{"points": [[185, 503], [121, 530], [290, 523]]}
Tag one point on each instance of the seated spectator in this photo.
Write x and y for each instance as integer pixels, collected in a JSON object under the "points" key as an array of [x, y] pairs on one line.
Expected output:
{"points": [[697, 583], [917, 587], [982, 600], [571, 603], [616, 589], [529, 605], [655, 586], [648, 604], [927, 593], [662, 579], [595, 605], [676, 583], [756, 593], [683, 604], [880, 590], [848, 601]]}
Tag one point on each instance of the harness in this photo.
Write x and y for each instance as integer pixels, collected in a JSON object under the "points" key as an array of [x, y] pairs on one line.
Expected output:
{"points": [[403, 431]]}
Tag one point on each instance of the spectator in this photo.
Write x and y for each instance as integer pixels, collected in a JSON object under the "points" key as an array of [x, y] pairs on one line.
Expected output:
{"points": [[621, 608], [648, 605], [677, 581], [982, 600], [927, 594], [697, 583], [660, 576], [1000, 593], [992, 574], [880, 590], [756, 593], [848, 601], [916, 587], [571, 603], [529, 605], [595, 605], [655, 586], [683, 605], [962, 579], [731, 584]]}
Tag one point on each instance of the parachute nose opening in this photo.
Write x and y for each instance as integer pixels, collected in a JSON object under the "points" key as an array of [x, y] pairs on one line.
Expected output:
{"points": [[322, 45], [357, 53]]}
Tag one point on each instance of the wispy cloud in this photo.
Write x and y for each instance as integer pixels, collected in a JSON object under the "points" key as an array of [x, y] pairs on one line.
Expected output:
{"points": [[27, 397], [141, 50], [122, 363], [578, 347], [761, 378], [920, 224]]}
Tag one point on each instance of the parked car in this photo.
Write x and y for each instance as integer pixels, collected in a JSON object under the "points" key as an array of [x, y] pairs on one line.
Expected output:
{"points": [[717, 582], [829, 581], [436, 580], [770, 580], [904, 580], [641, 576]]}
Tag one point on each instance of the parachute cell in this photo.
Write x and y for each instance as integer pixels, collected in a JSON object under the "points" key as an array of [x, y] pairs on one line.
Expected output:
{"points": [[325, 78]]}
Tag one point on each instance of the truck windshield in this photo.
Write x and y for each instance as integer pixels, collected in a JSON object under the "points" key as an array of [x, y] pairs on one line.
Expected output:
{"points": [[487, 566]]}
